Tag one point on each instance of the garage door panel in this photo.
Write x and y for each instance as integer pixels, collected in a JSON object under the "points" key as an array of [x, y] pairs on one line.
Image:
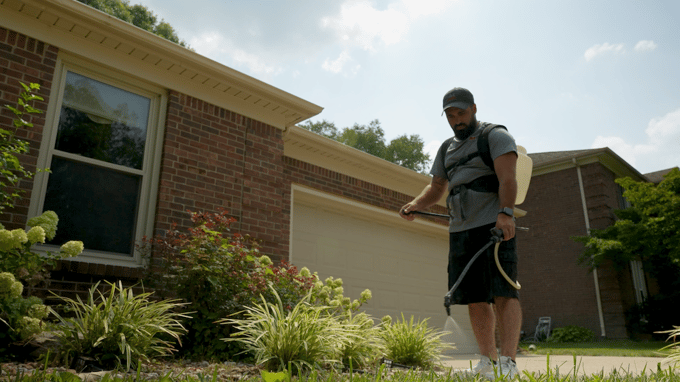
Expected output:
{"points": [[404, 269]]}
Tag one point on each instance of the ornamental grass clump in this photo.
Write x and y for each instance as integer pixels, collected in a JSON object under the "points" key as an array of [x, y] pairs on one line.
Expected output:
{"points": [[364, 347], [120, 328], [307, 336], [411, 343], [674, 347]]}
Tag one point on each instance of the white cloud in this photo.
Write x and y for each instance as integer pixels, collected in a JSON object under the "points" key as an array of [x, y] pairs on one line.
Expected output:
{"points": [[599, 49], [645, 45], [360, 24], [215, 46], [339, 64], [661, 149], [431, 148]]}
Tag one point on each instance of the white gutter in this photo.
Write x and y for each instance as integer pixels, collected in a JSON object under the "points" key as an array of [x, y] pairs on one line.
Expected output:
{"points": [[587, 219]]}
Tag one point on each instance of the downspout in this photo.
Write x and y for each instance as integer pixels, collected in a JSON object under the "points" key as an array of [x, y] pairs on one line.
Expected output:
{"points": [[587, 218]]}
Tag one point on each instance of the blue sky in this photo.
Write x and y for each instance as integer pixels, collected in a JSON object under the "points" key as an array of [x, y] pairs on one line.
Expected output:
{"points": [[566, 75]]}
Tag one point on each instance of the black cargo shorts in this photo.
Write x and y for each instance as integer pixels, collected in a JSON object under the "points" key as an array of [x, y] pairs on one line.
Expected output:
{"points": [[483, 281]]}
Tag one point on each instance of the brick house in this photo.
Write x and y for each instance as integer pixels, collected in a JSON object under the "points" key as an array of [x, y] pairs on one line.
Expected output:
{"points": [[188, 133], [572, 192]]}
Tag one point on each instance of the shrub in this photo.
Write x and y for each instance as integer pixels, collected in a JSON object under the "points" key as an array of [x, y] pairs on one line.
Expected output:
{"points": [[651, 316], [410, 343], [218, 273], [571, 333], [17, 257], [20, 318], [364, 346], [11, 170], [307, 336], [119, 329]]}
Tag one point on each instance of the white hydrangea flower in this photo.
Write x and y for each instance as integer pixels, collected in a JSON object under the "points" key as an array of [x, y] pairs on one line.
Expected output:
{"points": [[29, 326], [304, 272], [48, 221], [72, 248], [6, 281], [36, 235], [6, 240], [265, 260]]}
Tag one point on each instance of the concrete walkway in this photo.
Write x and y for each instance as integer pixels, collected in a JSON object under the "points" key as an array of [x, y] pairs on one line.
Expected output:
{"points": [[564, 364]]}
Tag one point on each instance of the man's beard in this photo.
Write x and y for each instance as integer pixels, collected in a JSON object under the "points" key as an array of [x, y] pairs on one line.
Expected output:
{"points": [[470, 128]]}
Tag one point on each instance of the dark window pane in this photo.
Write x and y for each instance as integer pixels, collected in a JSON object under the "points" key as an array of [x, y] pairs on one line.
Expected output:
{"points": [[102, 122], [113, 142], [95, 205]]}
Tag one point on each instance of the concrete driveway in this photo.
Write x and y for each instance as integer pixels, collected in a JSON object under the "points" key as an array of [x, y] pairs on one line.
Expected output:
{"points": [[564, 364]]}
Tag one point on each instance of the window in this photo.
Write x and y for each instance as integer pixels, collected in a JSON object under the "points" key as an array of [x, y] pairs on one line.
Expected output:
{"points": [[101, 149]]}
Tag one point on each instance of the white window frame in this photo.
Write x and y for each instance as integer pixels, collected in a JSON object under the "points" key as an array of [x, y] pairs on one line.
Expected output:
{"points": [[150, 171]]}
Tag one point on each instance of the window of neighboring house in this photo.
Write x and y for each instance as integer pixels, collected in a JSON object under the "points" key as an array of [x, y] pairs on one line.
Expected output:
{"points": [[103, 164]]}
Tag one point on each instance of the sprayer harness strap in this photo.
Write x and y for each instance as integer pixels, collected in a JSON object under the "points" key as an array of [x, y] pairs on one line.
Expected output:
{"points": [[483, 150]]}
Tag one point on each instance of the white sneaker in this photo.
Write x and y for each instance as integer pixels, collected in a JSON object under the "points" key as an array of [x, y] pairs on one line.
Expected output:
{"points": [[506, 370], [483, 367]]}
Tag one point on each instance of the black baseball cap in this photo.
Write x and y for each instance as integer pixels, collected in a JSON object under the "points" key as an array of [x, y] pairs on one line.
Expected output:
{"points": [[458, 97]]}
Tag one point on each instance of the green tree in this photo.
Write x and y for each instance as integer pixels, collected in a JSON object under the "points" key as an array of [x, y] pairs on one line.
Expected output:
{"points": [[648, 231], [137, 15], [325, 128], [369, 139], [406, 151]]}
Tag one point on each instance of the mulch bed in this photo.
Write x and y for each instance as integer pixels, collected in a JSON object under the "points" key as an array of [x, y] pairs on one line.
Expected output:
{"points": [[227, 371]]}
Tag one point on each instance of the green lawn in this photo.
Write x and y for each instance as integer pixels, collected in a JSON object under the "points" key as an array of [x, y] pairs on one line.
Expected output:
{"points": [[623, 348]]}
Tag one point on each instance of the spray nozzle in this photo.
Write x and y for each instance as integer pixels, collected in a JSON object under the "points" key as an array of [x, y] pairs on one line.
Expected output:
{"points": [[496, 235]]}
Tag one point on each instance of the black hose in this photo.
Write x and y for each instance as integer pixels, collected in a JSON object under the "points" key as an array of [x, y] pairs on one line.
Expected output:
{"points": [[496, 236]]}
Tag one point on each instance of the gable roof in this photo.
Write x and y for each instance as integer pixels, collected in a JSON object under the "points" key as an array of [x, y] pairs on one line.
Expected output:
{"points": [[657, 176], [82, 30], [548, 162]]}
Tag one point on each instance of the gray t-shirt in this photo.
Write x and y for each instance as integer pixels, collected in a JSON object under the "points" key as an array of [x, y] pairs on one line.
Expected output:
{"points": [[477, 208]]}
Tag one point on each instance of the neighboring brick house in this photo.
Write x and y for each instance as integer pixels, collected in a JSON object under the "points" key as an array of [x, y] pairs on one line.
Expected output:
{"points": [[572, 192], [206, 137]]}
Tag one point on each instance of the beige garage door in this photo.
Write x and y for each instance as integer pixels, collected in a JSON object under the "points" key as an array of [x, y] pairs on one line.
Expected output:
{"points": [[402, 263]]}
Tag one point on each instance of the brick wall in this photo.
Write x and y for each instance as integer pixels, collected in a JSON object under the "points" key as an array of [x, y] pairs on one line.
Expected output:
{"points": [[24, 59], [553, 283], [214, 158], [342, 185], [602, 198]]}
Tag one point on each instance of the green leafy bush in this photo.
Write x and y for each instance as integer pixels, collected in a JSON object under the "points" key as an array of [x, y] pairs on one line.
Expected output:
{"points": [[571, 333], [411, 343], [11, 169], [119, 329], [20, 318], [17, 257], [218, 273]]}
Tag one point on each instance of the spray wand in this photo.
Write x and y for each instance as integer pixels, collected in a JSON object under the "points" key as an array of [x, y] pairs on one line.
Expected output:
{"points": [[496, 237]]}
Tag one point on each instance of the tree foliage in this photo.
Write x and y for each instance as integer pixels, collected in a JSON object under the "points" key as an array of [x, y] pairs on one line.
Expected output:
{"points": [[648, 231], [405, 150], [137, 15]]}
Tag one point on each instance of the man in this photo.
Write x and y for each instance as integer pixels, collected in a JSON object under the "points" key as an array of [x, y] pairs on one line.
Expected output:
{"points": [[479, 199]]}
